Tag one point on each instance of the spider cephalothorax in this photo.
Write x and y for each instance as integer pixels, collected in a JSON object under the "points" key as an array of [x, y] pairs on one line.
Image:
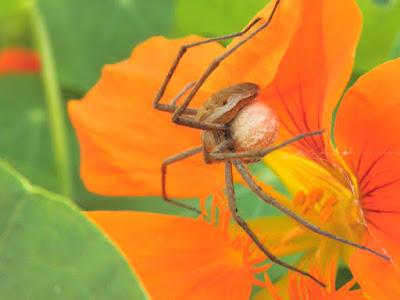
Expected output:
{"points": [[227, 137], [251, 124]]}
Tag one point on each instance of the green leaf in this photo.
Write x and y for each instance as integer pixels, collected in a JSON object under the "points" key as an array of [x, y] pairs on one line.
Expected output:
{"points": [[24, 135], [11, 6], [214, 18], [15, 30], [380, 27], [382, 2], [49, 250], [396, 48], [87, 34]]}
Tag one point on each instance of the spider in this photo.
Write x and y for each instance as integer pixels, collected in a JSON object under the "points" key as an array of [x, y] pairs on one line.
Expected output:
{"points": [[216, 119]]}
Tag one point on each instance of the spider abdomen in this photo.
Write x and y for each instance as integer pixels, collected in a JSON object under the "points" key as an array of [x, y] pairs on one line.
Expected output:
{"points": [[255, 127]]}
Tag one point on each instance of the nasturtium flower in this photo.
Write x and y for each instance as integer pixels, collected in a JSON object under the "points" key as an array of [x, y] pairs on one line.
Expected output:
{"points": [[350, 190], [301, 62], [18, 60], [356, 184]]}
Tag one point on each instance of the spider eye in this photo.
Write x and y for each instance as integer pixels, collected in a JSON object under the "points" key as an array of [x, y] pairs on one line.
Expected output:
{"points": [[225, 102]]}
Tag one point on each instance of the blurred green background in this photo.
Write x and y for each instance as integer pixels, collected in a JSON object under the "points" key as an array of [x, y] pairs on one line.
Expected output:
{"points": [[74, 39]]}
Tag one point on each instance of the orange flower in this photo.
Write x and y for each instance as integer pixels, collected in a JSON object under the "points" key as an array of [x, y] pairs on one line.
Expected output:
{"points": [[184, 258], [18, 60], [301, 62]]}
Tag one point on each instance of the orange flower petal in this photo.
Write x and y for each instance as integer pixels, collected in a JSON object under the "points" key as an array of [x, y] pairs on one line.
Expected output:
{"points": [[310, 75], [124, 140], [367, 134], [379, 279], [258, 59], [18, 60], [178, 258], [342, 24]]}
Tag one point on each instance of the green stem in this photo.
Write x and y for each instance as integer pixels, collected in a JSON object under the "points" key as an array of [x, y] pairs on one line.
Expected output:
{"points": [[54, 103]]}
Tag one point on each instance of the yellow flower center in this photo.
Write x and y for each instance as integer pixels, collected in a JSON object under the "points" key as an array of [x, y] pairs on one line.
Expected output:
{"points": [[337, 213], [323, 193], [314, 201]]}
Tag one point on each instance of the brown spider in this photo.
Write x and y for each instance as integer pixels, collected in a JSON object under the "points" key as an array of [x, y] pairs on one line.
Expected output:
{"points": [[215, 118]]}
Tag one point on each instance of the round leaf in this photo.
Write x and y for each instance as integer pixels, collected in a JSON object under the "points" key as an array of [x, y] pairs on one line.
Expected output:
{"points": [[49, 250]]}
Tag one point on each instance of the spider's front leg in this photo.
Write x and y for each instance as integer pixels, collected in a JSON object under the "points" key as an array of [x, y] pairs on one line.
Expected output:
{"points": [[189, 112], [171, 107], [180, 111], [218, 60]]}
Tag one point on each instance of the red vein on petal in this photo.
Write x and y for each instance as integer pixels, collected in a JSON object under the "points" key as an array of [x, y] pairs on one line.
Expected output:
{"points": [[373, 164], [379, 187], [359, 160]]}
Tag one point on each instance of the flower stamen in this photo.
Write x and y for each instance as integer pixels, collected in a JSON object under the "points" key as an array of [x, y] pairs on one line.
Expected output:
{"points": [[299, 198], [328, 209], [326, 214], [316, 195], [313, 201]]}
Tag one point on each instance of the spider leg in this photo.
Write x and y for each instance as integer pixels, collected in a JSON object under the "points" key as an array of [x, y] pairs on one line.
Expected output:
{"points": [[269, 200], [171, 107], [201, 125], [186, 88], [190, 112], [183, 50], [261, 153], [239, 220], [223, 146], [176, 116], [171, 160]]}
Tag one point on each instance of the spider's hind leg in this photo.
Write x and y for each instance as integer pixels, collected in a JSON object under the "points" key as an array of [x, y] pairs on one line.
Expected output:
{"points": [[269, 200], [239, 220], [258, 154]]}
